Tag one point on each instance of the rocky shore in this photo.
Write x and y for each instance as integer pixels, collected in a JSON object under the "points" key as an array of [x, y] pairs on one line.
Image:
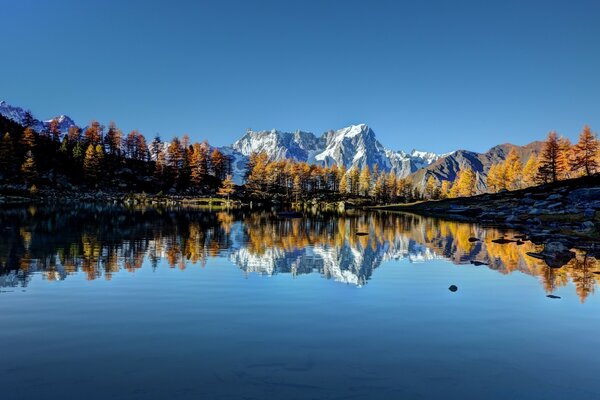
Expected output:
{"points": [[561, 216]]}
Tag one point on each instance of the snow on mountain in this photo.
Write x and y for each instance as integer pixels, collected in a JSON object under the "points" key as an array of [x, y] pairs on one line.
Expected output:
{"points": [[352, 146], [19, 115]]}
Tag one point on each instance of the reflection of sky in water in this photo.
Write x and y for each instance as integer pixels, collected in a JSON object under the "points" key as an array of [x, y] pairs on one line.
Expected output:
{"points": [[153, 305]]}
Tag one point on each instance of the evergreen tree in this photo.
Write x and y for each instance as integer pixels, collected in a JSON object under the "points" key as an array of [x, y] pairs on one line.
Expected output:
{"points": [[7, 155]]}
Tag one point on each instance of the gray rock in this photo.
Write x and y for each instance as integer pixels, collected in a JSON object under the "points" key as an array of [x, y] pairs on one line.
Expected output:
{"points": [[585, 194], [587, 225]]}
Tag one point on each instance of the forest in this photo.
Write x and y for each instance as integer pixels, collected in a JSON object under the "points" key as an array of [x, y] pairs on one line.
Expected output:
{"points": [[104, 158]]}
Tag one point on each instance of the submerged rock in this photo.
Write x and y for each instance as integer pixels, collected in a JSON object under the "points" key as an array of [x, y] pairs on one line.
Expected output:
{"points": [[453, 288], [362, 234], [473, 239], [474, 262], [551, 296], [555, 254], [502, 241]]}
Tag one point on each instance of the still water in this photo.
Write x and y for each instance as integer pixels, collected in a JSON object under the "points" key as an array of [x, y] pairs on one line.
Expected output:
{"points": [[102, 302]]}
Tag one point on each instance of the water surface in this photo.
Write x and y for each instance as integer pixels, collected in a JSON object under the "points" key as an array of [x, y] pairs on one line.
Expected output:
{"points": [[104, 302]]}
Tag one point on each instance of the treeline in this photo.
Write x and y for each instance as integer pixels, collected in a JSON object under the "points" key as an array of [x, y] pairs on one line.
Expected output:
{"points": [[292, 180], [558, 160], [295, 180], [105, 158]]}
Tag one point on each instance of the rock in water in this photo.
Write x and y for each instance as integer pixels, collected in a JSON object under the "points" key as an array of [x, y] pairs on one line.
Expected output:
{"points": [[551, 296], [361, 233], [473, 239], [502, 241], [453, 288], [478, 263]]}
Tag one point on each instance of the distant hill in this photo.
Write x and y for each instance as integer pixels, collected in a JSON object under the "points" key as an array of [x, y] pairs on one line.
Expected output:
{"points": [[447, 167]]}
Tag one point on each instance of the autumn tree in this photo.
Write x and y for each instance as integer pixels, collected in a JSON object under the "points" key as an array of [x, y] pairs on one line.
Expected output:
{"points": [[113, 139], [364, 181], [431, 187], [93, 133], [54, 129], [217, 162], [445, 189], [564, 155], [513, 169], [465, 183], [227, 187], [354, 177], [530, 171], [585, 153], [550, 160], [198, 164], [29, 140], [496, 177], [28, 168], [92, 163]]}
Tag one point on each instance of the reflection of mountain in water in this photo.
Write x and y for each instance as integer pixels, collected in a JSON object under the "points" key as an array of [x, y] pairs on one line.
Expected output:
{"points": [[99, 241], [347, 263]]}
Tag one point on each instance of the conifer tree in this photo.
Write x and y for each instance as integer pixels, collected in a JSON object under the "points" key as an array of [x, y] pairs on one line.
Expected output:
{"points": [[364, 181], [564, 155], [550, 164], [513, 169], [445, 189], [54, 129], [390, 186], [465, 183], [28, 168], [29, 140], [354, 180], [585, 153], [530, 171], [7, 155], [431, 188], [227, 187], [343, 184], [217, 161], [90, 164]]}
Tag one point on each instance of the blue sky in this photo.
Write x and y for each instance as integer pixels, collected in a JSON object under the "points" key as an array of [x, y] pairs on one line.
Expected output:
{"points": [[430, 75]]}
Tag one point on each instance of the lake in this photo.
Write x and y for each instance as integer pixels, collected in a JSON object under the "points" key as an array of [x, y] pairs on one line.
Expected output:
{"points": [[104, 302]]}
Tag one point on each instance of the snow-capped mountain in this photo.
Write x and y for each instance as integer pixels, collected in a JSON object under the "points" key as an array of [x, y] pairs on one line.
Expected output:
{"points": [[353, 146], [19, 115]]}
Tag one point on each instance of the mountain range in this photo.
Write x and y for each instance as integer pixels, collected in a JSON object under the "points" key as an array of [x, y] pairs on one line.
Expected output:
{"points": [[352, 146]]}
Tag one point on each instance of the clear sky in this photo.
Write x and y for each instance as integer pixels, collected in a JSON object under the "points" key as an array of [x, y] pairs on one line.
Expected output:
{"points": [[430, 75]]}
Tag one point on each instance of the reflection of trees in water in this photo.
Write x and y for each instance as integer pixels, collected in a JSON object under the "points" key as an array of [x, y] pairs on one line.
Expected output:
{"points": [[100, 241]]}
